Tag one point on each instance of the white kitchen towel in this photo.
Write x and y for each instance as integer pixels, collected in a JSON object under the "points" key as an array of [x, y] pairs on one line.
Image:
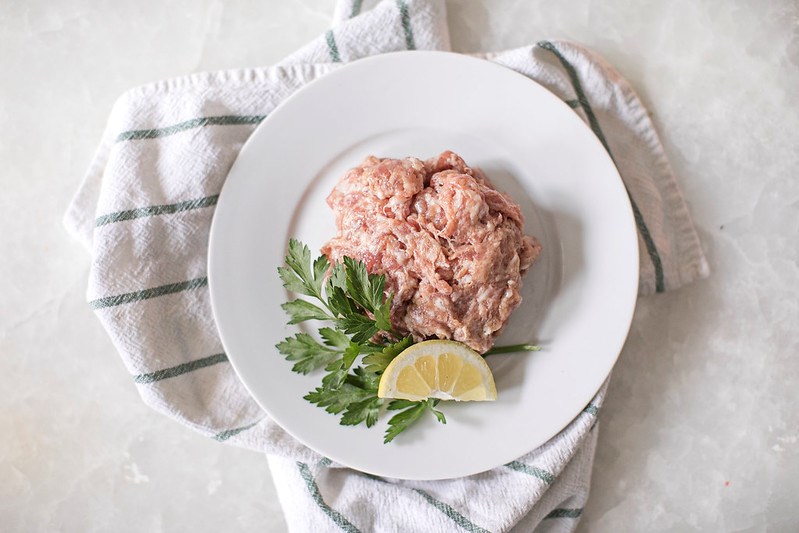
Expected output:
{"points": [[144, 212]]}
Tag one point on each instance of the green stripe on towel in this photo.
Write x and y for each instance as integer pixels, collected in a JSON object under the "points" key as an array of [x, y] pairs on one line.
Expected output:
{"points": [[564, 513], [225, 120], [313, 489], [331, 47], [356, 8], [146, 294], [225, 435], [153, 210], [534, 471], [591, 409], [654, 256], [177, 370], [651, 249], [451, 513], [405, 17]]}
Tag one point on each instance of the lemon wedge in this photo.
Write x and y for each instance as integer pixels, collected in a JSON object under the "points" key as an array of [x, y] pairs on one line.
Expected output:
{"points": [[447, 370]]}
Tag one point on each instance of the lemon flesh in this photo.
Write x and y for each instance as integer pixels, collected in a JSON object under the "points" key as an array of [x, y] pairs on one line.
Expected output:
{"points": [[447, 370]]}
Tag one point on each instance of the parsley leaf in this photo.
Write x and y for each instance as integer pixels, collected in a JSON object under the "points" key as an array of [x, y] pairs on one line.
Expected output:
{"points": [[308, 354], [438, 414], [320, 266], [334, 338], [377, 285], [349, 355], [336, 401], [397, 405], [299, 277], [341, 304], [300, 311], [336, 376], [291, 281], [412, 411], [378, 361], [356, 398], [361, 327], [402, 420], [363, 411], [364, 379], [337, 278], [358, 282], [368, 290], [382, 314]]}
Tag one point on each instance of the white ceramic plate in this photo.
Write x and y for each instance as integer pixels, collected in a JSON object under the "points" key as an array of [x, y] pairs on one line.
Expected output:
{"points": [[578, 298]]}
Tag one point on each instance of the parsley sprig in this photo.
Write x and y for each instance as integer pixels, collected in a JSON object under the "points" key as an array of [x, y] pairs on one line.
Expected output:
{"points": [[355, 302]]}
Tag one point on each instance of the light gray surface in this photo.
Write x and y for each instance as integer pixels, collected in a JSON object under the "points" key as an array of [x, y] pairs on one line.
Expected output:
{"points": [[701, 427]]}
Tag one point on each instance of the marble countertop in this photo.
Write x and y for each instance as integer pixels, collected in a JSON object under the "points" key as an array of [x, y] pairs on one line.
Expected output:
{"points": [[700, 430]]}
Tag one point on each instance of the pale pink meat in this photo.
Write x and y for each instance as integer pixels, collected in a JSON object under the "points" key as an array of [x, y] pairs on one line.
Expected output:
{"points": [[451, 246]]}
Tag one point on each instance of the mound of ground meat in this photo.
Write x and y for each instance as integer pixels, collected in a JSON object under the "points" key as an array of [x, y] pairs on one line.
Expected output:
{"points": [[451, 246]]}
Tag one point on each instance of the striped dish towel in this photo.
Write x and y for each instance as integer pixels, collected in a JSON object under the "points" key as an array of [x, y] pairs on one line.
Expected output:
{"points": [[144, 212]]}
